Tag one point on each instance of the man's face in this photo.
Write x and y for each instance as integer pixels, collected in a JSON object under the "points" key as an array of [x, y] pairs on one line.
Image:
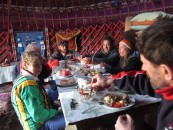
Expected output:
{"points": [[106, 46], [34, 68], [154, 73], [63, 48]]}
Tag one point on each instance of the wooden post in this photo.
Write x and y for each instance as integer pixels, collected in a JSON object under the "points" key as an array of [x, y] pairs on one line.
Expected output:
{"points": [[127, 23], [47, 42]]}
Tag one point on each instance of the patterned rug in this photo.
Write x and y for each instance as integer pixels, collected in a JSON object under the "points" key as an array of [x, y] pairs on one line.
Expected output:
{"points": [[8, 117], [5, 92]]}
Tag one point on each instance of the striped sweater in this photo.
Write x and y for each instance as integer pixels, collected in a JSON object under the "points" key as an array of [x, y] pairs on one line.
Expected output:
{"points": [[30, 103]]}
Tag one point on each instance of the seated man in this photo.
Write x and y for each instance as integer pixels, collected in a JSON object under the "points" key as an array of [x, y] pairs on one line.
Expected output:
{"points": [[63, 53], [30, 100], [109, 53], [49, 86]]}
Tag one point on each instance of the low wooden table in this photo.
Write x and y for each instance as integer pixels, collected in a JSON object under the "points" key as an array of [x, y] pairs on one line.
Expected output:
{"points": [[103, 117]]}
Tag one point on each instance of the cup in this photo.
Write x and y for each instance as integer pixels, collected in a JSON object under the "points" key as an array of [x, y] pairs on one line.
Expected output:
{"points": [[55, 69], [63, 63]]}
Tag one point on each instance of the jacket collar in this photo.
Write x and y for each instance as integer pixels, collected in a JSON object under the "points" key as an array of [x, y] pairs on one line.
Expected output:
{"points": [[167, 93], [26, 73]]}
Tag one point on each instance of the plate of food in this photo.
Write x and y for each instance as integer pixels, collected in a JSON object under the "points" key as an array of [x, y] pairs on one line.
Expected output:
{"points": [[64, 73], [65, 82], [118, 100], [86, 93]]}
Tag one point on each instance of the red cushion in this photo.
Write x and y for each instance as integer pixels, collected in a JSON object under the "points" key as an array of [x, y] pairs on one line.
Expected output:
{"points": [[52, 63]]}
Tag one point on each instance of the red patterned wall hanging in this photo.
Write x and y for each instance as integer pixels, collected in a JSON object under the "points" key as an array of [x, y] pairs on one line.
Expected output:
{"points": [[68, 35]]}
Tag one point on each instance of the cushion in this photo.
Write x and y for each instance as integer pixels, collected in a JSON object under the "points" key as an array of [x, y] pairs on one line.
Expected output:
{"points": [[52, 63], [150, 16], [136, 23], [142, 27]]}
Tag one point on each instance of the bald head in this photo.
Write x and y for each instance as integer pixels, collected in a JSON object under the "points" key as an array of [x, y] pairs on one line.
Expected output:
{"points": [[32, 47]]}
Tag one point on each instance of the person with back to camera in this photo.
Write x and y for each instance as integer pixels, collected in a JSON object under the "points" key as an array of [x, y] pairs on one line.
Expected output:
{"points": [[30, 100], [108, 54], [155, 46]]}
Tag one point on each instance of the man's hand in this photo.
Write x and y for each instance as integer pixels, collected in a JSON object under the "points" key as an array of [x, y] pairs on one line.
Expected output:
{"points": [[86, 60], [124, 122], [100, 81]]}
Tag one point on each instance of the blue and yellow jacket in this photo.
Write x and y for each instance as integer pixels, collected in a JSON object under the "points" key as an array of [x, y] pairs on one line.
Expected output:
{"points": [[31, 103]]}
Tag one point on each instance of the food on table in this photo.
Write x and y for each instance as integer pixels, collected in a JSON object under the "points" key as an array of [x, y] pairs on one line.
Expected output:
{"points": [[93, 72], [116, 100], [87, 66], [86, 93], [85, 89], [67, 82], [65, 72]]}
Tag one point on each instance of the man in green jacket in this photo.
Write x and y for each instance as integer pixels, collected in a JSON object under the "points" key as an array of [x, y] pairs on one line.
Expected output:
{"points": [[30, 101]]}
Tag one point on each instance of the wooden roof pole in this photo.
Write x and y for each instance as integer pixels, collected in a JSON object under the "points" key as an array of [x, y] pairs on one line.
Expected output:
{"points": [[90, 17], [59, 16], [128, 7], [83, 22], [3, 14], [75, 17], [152, 3], [8, 19], [68, 22], [120, 12], [145, 6], [111, 9], [33, 10], [18, 13], [27, 19], [104, 10], [52, 17], [137, 3], [43, 12], [164, 7], [97, 12]]}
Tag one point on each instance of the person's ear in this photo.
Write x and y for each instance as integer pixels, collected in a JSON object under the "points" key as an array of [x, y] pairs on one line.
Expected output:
{"points": [[24, 64], [167, 71]]}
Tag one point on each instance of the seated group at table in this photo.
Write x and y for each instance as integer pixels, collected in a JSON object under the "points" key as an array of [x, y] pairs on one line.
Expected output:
{"points": [[153, 46], [35, 111]]}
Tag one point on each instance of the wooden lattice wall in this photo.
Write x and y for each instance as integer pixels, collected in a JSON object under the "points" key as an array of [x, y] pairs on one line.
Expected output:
{"points": [[5, 48], [92, 35], [94, 22]]}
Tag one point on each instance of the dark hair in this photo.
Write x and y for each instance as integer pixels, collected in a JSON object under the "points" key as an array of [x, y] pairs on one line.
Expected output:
{"points": [[110, 39], [131, 36], [63, 43], [156, 43]]}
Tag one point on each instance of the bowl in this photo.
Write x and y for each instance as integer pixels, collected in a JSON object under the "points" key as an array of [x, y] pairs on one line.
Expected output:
{"points": [[86, 95]]}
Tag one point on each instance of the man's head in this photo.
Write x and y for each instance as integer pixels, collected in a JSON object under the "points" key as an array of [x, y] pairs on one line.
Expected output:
{"points": [[156, 48], [63, 46], [107, 43], [32, 62], [32, 47]]}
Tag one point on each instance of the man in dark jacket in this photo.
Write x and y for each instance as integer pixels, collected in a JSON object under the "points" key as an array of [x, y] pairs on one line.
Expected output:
{"points": [[155, 46], [109, 53], [63, 52]]}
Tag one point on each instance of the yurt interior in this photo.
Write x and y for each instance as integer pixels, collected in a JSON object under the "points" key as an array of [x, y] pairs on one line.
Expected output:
{"points": [[83, 24]]}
